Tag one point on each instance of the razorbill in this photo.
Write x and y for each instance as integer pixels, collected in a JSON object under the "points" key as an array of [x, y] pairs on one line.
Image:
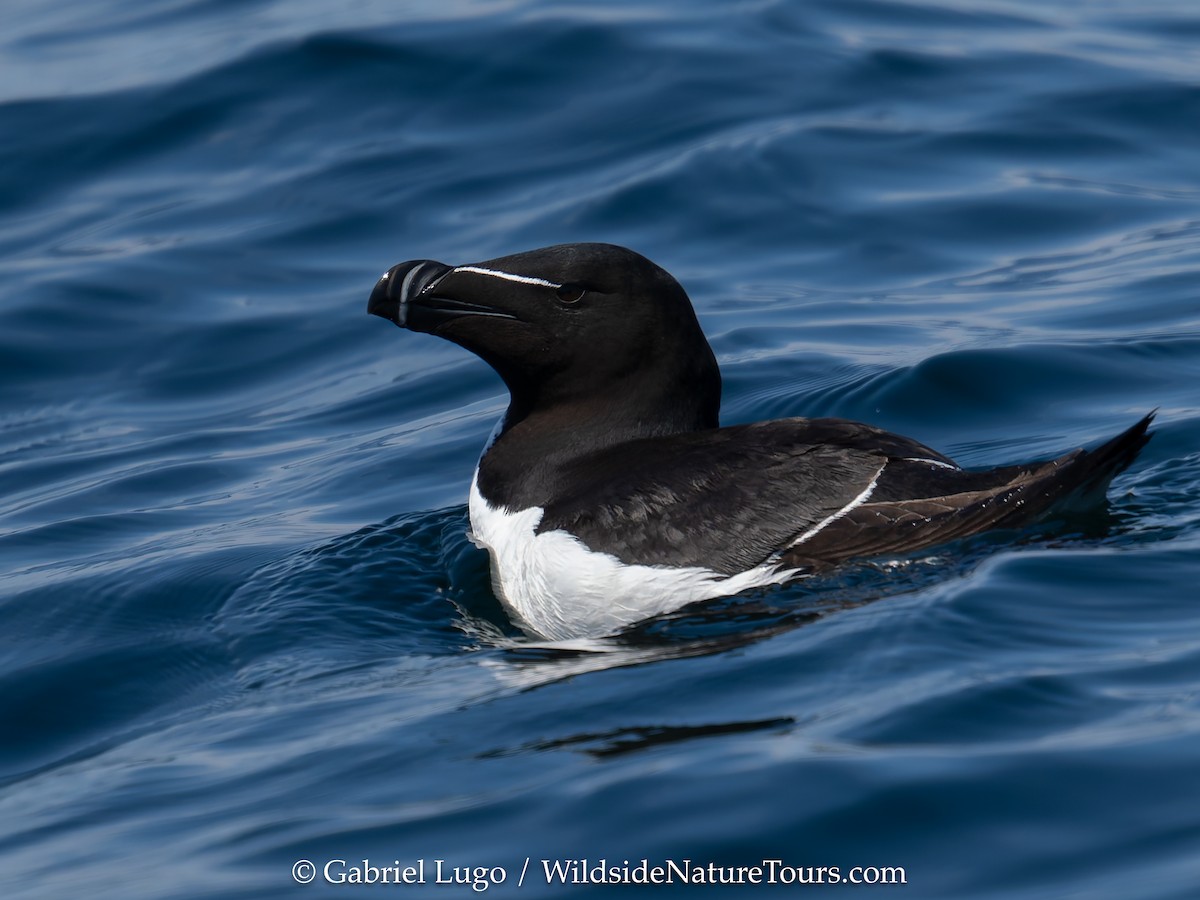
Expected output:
{"points": [[609, 493]]}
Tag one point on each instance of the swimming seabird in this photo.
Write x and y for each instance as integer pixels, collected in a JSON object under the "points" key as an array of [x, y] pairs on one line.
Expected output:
{"points": [[609, 493]]}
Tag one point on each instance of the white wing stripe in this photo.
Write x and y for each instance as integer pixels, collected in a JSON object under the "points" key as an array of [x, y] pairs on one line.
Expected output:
{"points": [[932, 462], [853, 504]]}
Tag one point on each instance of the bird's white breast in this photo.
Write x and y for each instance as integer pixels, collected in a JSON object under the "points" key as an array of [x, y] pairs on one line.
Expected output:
{"points": [[557, 588]]}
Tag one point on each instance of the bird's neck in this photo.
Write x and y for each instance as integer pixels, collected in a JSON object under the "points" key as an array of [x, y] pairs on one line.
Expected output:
{"points": [[525, 464]]}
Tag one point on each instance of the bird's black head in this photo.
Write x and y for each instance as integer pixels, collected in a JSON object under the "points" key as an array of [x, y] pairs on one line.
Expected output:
{"points": [[592, 328]]}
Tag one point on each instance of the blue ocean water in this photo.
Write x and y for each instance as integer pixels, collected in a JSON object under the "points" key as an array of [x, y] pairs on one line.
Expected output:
{"points": [[240, 622]]}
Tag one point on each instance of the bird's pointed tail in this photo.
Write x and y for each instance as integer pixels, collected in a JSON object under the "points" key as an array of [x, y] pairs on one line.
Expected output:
{"points": [[1095, 469]]}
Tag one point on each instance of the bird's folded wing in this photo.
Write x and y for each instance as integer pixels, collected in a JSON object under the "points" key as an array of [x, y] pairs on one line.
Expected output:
{"points": [[728, 499]]}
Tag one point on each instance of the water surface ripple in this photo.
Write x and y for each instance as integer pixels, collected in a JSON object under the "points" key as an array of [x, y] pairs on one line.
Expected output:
{"points": [[240, 621]]}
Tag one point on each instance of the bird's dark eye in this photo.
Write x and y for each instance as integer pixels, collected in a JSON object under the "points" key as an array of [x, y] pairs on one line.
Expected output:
{"points": [[569, 293]]}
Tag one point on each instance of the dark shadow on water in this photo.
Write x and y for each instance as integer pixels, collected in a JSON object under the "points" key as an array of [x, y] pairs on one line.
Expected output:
{"points": [[620, 741]]}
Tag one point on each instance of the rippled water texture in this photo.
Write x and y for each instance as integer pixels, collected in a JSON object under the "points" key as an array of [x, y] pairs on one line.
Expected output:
{"points": [[240, 622]]}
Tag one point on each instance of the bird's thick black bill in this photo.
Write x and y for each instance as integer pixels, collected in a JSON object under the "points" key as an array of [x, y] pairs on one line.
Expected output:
{"points": [[401, 283], [411, 295]]}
